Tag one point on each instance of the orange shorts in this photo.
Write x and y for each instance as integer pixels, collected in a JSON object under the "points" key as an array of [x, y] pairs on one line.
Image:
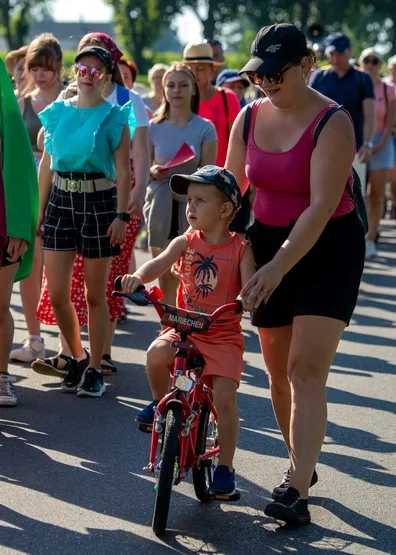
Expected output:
{"points": [[221, 350]]}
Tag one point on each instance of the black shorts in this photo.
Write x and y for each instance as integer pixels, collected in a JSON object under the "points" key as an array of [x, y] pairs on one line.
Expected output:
{"points": [[326, 280], [80, 221], [4, 261]]}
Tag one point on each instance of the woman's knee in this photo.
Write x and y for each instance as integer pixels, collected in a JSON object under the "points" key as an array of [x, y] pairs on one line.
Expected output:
{"points": [[59, 299], [306, 373], [96, 299]]}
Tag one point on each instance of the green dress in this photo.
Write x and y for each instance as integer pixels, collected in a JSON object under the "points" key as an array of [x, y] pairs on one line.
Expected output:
{"points": [[19, 174]]}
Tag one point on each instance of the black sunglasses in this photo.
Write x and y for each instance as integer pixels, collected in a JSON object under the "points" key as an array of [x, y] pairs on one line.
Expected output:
{"points": [[274, 78], [372, 61]]}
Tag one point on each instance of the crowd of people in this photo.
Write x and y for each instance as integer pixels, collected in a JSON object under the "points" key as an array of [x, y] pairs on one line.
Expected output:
{"points": [[103, 154]]}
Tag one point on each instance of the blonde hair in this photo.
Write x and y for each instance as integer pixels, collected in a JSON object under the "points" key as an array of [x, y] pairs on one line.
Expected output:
{"points": [[154, 69], [44, 51], [89, 40], [164, 109]]}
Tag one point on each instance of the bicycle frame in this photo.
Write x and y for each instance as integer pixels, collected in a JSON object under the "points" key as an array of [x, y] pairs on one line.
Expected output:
{"points": [[190, 392]]}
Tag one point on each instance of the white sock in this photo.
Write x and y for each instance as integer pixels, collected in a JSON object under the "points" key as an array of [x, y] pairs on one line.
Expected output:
{"points": [[36, 338], [84, 357]]}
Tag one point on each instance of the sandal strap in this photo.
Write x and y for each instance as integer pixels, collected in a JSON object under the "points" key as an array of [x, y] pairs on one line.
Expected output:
{"points": [[53, 361]]}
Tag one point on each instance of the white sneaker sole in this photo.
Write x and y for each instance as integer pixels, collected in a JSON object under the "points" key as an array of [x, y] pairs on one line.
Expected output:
{"points": [[83, 393]]}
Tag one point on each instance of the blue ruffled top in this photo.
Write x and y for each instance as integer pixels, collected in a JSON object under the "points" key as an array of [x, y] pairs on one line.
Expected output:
{"points": [[84, 139]]}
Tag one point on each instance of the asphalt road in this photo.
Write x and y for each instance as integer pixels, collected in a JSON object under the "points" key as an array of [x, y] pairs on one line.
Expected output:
{"points": [[71, 478]]}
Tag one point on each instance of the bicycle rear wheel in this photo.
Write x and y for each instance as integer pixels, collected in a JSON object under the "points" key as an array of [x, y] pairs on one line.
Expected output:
{"points": [[202, 476], [166, 475]]}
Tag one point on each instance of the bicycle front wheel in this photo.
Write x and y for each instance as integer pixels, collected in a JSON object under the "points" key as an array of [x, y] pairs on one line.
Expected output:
{"points": [[167, 470]]}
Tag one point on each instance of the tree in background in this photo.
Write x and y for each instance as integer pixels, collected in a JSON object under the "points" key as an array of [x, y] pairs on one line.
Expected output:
{"points": [[139, 23], [16, 18]]}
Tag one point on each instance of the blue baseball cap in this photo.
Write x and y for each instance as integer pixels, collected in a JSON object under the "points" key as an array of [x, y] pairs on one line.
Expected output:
{"points": [[337, 42], [223, 179], [231, 76]]}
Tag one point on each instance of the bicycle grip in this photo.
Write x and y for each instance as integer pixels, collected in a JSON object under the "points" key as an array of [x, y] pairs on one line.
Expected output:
{"points": [[117, 283]]}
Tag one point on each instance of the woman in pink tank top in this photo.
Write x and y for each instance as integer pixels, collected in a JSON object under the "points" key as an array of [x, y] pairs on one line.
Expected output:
{"points": [[307, 241]]}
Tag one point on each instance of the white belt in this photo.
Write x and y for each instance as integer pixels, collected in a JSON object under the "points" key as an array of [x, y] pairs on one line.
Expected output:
{"points": [[81, 186]]}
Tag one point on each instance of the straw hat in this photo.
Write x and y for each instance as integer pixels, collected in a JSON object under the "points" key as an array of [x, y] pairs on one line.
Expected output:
{"points": [[13, 57], [200, 53]]}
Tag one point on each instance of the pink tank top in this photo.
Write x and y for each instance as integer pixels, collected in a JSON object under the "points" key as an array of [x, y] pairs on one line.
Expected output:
{"points": [[282, 179]]}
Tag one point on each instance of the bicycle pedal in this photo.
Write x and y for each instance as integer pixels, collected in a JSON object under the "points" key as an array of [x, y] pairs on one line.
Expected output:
{"points": [[224, 497], [146, 428]]}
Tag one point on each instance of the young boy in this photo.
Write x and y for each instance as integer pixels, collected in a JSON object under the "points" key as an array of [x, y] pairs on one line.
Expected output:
{"points": [[212, 264]]}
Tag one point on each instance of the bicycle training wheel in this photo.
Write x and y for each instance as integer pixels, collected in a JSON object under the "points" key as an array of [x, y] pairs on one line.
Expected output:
{"points": [[167, 470], [206, 439]]}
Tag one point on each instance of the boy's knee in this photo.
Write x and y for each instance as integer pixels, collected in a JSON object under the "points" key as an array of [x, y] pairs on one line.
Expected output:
{"points": [[159, 353], [225, 394]]}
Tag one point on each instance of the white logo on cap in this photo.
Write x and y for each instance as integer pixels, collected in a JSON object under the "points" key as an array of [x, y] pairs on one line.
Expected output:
{"points": [[273, 48]]}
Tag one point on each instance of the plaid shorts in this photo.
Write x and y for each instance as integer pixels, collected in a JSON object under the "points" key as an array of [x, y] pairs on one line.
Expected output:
{"points": [[80, 221]]}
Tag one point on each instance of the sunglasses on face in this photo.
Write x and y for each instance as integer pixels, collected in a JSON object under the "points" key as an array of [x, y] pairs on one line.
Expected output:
{"points": [[93, 72], [274, 78], [372, 61]]}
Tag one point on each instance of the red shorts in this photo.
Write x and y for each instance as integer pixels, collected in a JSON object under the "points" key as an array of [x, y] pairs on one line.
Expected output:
{"points": [[221, 350]]}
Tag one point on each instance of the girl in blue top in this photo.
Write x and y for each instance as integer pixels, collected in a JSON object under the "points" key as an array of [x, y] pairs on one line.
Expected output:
{"points": [[87, 143]]}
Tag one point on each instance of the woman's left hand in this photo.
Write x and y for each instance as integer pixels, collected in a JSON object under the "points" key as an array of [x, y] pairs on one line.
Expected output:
{"points": [[116, 232], [136, 202], [261, 286]]}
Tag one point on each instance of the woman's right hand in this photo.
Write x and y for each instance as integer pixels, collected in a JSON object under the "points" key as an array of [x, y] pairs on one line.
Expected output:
{"points": [[157, 172]]}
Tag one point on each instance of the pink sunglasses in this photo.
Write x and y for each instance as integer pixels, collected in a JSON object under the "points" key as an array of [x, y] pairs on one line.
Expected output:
{"points": [[93, 72]]}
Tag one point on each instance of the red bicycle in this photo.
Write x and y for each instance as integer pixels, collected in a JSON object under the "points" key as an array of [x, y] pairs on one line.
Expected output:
{"points": [[184, 432]]}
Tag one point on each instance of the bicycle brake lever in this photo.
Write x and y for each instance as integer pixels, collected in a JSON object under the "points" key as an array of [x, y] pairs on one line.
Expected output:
{"points": [[139, 297]]}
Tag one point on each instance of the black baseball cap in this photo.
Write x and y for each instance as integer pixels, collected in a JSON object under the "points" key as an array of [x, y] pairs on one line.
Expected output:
{"points": [[98, 51], [210, 175], [274, 46]]}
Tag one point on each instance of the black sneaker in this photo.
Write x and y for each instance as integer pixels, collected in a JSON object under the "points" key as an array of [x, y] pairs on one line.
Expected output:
{"points": [[93, 384], [291, 509], [280, 490], [74, 374]]}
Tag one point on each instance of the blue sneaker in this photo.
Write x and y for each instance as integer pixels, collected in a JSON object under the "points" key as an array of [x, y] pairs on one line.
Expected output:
{"points": [[146, 416], [223, 481]]}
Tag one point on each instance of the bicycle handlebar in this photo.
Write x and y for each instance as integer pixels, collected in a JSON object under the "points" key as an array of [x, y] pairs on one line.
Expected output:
{"points": [[142, 297]]}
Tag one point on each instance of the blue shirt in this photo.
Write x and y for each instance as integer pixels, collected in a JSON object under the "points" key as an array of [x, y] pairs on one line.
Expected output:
{"points": [[350, 91], [84, 139]]}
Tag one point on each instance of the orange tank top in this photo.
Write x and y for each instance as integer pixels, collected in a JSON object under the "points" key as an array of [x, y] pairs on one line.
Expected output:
{"points": [[210, 277]]}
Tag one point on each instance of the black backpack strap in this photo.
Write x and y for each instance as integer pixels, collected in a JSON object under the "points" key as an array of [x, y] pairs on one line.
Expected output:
{"points": [[386, 97], [224, 96], [322, 122], [246, 124]]}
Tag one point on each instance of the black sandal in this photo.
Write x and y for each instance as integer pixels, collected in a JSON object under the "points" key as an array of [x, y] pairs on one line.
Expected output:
{"points": [[110, 368], [50, 366]]}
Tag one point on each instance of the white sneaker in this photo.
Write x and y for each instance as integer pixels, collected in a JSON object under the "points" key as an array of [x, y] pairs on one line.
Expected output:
{"points": [[7, 395], [31, 349], [371, 250]]}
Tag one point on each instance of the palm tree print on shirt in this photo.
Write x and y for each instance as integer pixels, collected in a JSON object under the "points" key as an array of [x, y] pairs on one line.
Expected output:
{"points": [[205, 275]]}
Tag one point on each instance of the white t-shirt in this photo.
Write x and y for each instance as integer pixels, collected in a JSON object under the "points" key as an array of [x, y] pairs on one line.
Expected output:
{"points": [[138, 105]]}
